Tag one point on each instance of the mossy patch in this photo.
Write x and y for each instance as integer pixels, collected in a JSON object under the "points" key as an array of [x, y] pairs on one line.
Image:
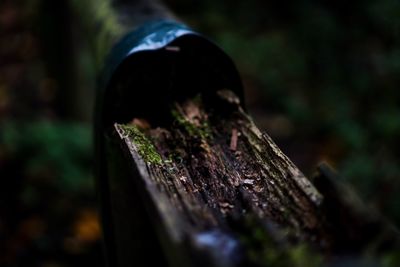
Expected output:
{"points": [[144, 145], [203, 131]]}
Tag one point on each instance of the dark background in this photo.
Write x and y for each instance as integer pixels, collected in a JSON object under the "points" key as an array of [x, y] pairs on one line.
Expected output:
{"points": [[321, 77]]}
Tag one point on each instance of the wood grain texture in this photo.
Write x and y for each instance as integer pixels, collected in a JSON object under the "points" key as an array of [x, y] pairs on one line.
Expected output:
{"points": [[201, 183]]}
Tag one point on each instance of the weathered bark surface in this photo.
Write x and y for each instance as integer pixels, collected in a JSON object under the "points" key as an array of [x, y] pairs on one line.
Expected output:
{"points": [[219, 185]]}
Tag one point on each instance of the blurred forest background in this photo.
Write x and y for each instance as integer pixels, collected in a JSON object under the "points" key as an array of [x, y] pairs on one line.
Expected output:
{"points": [[321, 77]]}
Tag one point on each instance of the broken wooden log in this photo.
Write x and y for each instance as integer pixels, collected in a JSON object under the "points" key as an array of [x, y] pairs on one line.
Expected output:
{"points": [[187, 179], [221, 193], [159, 55]]}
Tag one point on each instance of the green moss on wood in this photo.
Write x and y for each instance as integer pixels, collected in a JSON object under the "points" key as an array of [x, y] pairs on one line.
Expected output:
{"points": [[144, 145], [203, 131]]}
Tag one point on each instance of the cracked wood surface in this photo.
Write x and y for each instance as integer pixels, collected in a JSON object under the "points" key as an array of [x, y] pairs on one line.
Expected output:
{"points": [[213, 169], [220, 187]]}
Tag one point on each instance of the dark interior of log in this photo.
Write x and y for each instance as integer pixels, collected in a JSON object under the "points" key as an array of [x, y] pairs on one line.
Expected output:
{"points": [[221, 186]]}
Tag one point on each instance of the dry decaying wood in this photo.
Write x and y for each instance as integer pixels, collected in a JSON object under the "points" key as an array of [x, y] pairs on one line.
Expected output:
{"points": [[221, 186]]}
